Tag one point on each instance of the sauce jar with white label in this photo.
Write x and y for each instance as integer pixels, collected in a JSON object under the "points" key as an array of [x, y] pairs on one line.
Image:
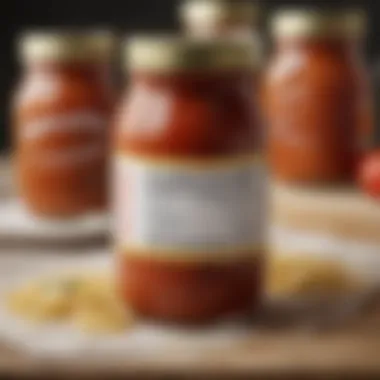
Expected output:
{"points": [[317, 97], [61, 117], [188, 189]]}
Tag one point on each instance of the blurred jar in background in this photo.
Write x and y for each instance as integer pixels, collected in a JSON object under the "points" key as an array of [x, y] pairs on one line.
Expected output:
{"points": [[61, 115], [236, 19], [188, 189], [223, 18], [316, 97], [108, 45]]}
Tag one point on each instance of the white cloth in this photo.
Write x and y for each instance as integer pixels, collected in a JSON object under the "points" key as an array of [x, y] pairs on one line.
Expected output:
{"points": [[17, 224]]}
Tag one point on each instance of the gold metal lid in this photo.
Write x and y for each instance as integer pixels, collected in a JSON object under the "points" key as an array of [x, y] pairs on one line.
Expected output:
{"points": [[66, 46], [172, 53], [194, 12], [317, 23]]}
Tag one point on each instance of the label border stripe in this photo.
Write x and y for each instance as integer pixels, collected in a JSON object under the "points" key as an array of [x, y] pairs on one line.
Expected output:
{"points": [[201, 163], [183, 255]]}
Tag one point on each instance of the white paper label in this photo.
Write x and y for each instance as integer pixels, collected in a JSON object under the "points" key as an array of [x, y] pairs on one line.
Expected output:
{"points": [[82, 133], [77, 122], [193, 208]]}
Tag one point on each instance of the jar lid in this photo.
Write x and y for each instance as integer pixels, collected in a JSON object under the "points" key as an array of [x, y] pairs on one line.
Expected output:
{"points": [[318, 23], [194, 12], [172, 53], [66, 46]]}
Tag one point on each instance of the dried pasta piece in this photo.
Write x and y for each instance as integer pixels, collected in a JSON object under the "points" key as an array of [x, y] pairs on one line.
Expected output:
{"points": [[291, 276], [98, 307], [111, 318], [89, 301], [43, 300]]}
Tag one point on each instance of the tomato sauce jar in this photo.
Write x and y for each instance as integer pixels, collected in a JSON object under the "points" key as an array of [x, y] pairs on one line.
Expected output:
{"points": [[239, 19], [317, 97], [61, 113], [188, 189], [232, 19]]}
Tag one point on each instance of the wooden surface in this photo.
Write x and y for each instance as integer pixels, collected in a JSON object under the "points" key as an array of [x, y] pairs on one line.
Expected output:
{"points": [[275, 360], [352, 351]]}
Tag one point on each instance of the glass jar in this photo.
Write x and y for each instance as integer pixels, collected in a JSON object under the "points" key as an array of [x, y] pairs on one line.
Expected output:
{"points": [[188, 190], [316, 98], [233, 19], [224, 18], [61, 115]]}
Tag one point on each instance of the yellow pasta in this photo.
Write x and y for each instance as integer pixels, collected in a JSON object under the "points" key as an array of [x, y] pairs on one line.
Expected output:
{"points": [[290, 276], [90, 302], [40, 301]]}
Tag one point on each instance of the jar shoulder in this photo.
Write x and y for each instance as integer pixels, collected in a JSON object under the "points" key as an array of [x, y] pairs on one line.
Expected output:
{"points": [[46, 91], [172, 119], [317, 70]]}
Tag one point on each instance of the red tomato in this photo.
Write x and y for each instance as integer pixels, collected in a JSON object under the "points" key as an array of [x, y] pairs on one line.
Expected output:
{"points": [[369, 174]]}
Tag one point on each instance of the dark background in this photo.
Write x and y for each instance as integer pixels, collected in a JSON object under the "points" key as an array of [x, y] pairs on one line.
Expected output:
{"points": [[124, 16]]}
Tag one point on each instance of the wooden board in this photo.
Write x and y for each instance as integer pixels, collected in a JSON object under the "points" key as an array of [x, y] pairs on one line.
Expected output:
{"points": [[354, 350]]}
